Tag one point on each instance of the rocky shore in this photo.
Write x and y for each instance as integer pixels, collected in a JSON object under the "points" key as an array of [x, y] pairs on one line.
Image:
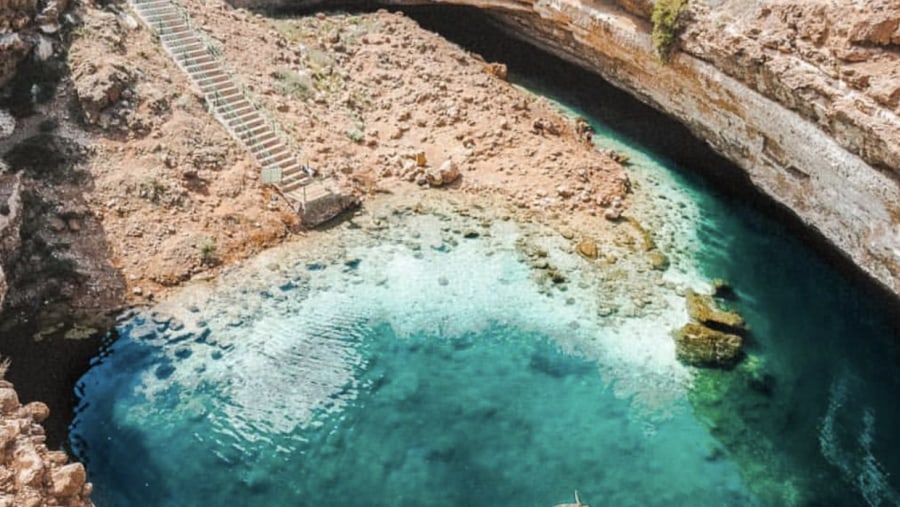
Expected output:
{"points": [[802, 95]]}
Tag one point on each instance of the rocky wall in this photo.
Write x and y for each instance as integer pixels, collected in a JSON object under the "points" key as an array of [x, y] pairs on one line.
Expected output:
{"points": [[27, 27], [10, 221], [30, 474]]}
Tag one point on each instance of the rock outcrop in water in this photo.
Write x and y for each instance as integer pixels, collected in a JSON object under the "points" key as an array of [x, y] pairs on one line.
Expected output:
{"points": [[804, 96], [699, 345], [713, 338], [30, 474]]}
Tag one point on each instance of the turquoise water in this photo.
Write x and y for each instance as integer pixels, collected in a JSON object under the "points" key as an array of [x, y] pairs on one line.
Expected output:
{"points": [[497, 417], [416, 367]]}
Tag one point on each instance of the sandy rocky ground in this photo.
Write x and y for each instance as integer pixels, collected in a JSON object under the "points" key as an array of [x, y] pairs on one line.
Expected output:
{"points": [[164, 195]]}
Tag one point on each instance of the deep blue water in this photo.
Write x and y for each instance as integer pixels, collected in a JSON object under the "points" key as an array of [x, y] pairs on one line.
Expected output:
{"points": [[504, 417]]}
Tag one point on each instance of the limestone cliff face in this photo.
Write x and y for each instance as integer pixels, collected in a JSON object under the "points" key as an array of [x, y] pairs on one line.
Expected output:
{"points": [[825, 150], [10, 221], [803, 95]]}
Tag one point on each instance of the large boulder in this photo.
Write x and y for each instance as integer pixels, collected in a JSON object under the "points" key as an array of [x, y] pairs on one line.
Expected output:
{"points": [[446, 174], [105, 91], [699, 345], [68, 480], [713, 337]]}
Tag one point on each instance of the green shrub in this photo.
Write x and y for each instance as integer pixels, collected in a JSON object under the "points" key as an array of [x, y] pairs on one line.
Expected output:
{"points": [[207, 249], [152, 189], [665, 18], [293, 84], [356, 134]]}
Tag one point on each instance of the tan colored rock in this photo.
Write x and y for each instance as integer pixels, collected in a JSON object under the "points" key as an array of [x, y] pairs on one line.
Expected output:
{"points": [[9, 400], [57, 457], [9, 430], [27, 463], [100, 85], [446, 174], [588, 249], [30, 474], [498, 70], [28, 498], [68, 480], [36, 410], [703, 309], [658, 260]]}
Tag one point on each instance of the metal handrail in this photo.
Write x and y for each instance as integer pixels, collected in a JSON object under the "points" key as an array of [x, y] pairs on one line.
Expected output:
{"points": [[226, 113]]}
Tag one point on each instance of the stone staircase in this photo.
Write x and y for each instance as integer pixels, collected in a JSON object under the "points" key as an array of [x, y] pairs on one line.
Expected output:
{"points": [[228, 102]]}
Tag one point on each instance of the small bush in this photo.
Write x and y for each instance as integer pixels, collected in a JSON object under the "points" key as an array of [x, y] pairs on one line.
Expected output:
{"points": [[293, 84], [665, 19], [152, 189], [207, 249], [356, 135]]}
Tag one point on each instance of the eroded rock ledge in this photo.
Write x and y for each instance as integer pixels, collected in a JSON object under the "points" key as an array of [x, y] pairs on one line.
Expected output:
{"points": [[804, 96], [10, 221], [30, 474]]}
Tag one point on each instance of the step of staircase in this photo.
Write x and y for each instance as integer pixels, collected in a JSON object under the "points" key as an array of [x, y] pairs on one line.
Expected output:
{"points": [[308, 193]]}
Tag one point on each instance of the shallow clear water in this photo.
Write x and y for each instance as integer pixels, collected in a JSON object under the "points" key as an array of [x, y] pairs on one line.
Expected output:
{"points": [[415, 367]]}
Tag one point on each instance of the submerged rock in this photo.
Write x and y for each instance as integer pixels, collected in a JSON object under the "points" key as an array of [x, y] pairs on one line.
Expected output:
{"points": [[658, 260], [723, 290], [588, 249], [699, 345]]}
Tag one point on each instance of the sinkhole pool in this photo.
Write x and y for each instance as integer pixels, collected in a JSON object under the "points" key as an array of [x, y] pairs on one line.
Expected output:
{"points": [[405, 366], [400, 360]]}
